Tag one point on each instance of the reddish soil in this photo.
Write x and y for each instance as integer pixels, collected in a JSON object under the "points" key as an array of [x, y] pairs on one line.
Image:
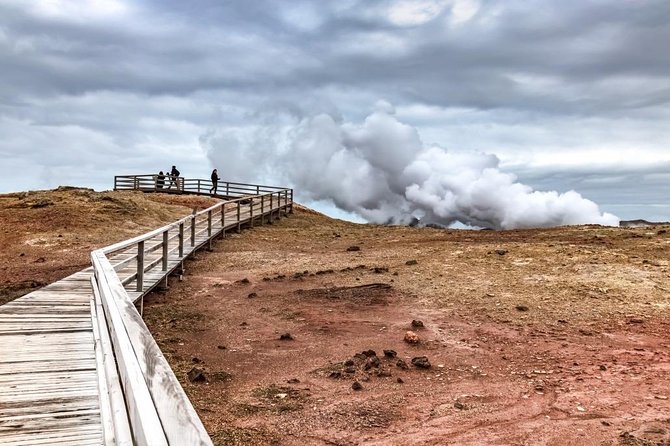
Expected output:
{"points": [[540, 337], [537, 337]]}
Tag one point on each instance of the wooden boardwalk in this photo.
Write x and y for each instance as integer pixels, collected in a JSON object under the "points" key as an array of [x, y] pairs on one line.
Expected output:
{"points": [[64, 379]]}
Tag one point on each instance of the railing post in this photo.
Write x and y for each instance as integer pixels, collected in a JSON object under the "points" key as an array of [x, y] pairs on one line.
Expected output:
{"points": [[140, 266], [136, 183], [258, 190], [193, 231], [181, 239], [227, 189], [251, 212], [116, 180], [271, 209], [209, 230], [223, 220], [290, 208], [155, 177], [198, 186], [262, 208], [279, 205], [165, 250], [239, 217], [285, 201]]}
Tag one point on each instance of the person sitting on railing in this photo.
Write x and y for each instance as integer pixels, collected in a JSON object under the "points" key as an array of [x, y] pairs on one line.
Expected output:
{"points": [[215, 181], [160, 180], [174, 175]]}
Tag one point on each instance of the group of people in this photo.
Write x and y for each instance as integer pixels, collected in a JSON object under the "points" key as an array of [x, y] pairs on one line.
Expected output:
{"points": [[173, 176]]}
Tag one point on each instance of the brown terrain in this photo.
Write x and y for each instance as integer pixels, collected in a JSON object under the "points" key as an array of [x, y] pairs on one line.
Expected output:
{"points": [[294, 333]]}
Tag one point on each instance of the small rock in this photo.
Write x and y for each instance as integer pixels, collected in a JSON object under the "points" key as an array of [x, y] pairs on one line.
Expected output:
{"points": [[635, 320], [244, 281], [243, 324], [383, 373], [399, 380], [349, 370], [411, 262], [501, 252], [196, 375], [458, 405], [521, 308], [421, 362], [196, 360], [286, 337], [390, 353], [40, 260], [357, 386], [22, 254], [252, 295], [417, 324], [360, 356], [411, 338], [222, 376], [605, 423], [221, 347], [293, 381], [369, 353], [335, 375], [380, 270], [353, 248], [603, 368], [349, 362], [372, 362], [402, 364]]}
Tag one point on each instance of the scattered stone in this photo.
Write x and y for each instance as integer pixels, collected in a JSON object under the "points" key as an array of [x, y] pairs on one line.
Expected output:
{"points": [[501, 252], [360, 356], [603, 368], [196, 360], [222, 376], [325, 271], [40, 260], [399, 380], [286, 337], [521, 308], [562, 321], [353, 248], [390, 353], [411, 338], [22, 254], [244, 281], [350, 370], [411, 262], [365, 378], [357, 386], [41, 203], [221, 347], [252, 295], [379, 270], [421, 362], [636, 320], [335, 375], [196, 375], [417, 324], [293, 381], [369, 353], [585, 332], [383, 373], [402, 364], [349, 362], [243, 324], [458, 405], [372, 361], [605, 423]]}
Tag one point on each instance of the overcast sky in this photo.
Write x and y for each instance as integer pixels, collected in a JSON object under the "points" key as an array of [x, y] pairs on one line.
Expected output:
{"points": [[567, 94]]}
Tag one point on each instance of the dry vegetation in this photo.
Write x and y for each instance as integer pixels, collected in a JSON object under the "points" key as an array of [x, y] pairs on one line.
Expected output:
{"points": [[535, 337]]}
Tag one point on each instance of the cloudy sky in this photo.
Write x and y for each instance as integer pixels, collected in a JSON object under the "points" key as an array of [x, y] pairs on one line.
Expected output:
{"points": [[569, 94]]}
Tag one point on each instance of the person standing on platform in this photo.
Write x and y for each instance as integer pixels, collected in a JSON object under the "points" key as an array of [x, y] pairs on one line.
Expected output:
{"points": [[174, 176], [215, 181]]}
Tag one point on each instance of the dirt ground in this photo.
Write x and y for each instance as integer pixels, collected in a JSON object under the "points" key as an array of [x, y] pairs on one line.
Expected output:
{"points": [[535, 337]]}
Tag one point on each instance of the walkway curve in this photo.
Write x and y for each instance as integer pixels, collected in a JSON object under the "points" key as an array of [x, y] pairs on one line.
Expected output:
{"points": [[78, 366]]}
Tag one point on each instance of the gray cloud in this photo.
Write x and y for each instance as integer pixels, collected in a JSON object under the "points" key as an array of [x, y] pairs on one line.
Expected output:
{"points": [[103, 86]]}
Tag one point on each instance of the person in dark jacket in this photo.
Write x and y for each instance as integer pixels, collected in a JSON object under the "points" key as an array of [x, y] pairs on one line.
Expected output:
{"points": [[215, 181], [160, 180], [174, 175]]}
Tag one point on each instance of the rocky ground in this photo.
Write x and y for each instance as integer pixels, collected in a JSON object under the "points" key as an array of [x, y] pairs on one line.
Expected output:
{"points": [[322, 332]]}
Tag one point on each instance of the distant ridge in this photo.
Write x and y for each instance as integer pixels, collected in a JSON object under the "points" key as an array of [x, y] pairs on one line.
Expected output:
{"points": [[641, 223]]}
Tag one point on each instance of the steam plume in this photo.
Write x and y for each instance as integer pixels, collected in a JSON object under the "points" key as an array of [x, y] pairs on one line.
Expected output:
{"points": [[381, 170]]}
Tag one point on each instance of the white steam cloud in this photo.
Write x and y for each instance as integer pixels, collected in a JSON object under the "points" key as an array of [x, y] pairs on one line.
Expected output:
{"points": [[382, 171]]}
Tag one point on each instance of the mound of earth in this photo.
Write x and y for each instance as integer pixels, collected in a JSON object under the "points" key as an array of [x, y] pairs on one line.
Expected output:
{"points": [[48, 235]]}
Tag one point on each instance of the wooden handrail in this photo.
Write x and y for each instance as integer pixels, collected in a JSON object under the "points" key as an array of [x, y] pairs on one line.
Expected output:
{"points": [[158, 410]]}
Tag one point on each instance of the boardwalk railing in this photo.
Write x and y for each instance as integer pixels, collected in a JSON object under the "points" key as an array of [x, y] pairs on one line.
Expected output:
{"points": [[144, 402], [225, 189]]}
